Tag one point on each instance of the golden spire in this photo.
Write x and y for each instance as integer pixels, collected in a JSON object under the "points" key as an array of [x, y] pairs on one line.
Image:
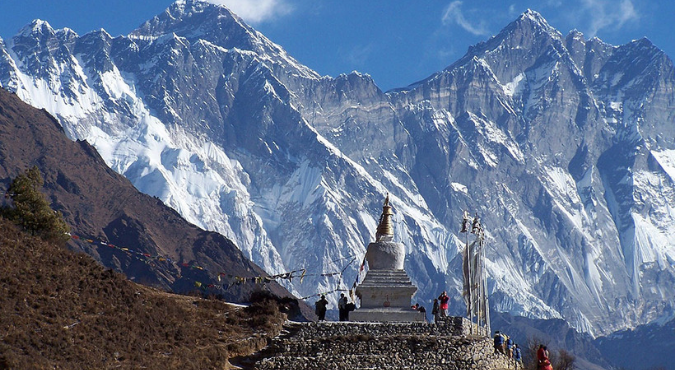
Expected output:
{"points": [[385, 230]]}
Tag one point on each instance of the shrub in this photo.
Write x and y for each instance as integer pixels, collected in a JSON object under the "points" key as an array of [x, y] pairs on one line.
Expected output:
{"points": [[31, 210]]}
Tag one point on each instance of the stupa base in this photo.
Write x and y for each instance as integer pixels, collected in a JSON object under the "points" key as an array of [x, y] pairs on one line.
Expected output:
{"points": [[386, 314]]}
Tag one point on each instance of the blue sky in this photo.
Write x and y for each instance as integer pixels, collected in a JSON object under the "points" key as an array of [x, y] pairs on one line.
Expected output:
{"points": [[397, 42]]}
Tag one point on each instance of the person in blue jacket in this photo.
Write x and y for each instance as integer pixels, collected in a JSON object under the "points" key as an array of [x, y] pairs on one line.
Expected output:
{"points": [[509, 347], [499, 342], [517, 357]]}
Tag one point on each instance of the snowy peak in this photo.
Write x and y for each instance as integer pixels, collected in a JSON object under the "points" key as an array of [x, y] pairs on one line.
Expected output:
{"points": [[529, 32], [41, 33], [523, 42], [37, 37], [551, 139], [646, 50], [200, 20], [36, 29], [533, 19]]}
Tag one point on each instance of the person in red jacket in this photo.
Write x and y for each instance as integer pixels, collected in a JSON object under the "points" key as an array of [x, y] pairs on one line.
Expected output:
{"points": [[543, 363], [443, 299]]}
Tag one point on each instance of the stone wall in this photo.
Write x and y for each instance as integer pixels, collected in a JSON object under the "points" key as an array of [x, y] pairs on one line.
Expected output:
{"points": [[348, 345]]}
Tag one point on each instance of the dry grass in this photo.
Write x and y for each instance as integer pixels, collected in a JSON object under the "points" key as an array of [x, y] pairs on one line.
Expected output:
{"points": [[61, 310]]}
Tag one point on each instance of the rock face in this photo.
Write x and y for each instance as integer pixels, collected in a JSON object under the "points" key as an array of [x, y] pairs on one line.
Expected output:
{"points": [[446, 345], [565, 147]]}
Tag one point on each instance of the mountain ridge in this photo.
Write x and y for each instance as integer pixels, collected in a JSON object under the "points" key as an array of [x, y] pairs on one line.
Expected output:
{"points": [[292, 166]]}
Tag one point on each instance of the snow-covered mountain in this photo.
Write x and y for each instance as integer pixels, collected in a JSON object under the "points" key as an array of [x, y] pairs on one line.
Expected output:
{"points": [[564, 147]]}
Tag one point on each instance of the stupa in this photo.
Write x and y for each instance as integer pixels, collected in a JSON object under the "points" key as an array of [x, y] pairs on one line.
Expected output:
{"points": [[386, 291]]}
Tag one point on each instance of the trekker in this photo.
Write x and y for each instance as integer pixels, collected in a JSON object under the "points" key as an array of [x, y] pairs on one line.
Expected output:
{"points": [[543, 363], [420, 309], [443, 299], [517, 357], [423, 311], [435, 310], [342, 307], [499, 342], [509, 347], [320, 307]]}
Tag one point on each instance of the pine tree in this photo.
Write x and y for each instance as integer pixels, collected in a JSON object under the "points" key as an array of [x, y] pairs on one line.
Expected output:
{"points": [[31, 210]]}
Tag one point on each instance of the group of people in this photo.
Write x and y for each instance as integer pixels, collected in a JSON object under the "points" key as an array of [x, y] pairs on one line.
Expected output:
{"points": [[505, 345], [344, 306], [440, 308]]}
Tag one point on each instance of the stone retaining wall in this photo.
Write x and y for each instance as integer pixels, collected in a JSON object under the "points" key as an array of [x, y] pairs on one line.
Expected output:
{"points": [[347, 345]]}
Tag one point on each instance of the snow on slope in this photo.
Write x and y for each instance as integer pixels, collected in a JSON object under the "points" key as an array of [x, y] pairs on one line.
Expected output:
{"points": [[145, 152], [209, 116]]}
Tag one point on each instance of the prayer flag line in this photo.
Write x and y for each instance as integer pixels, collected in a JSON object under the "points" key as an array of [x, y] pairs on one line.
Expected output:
{"points": [[260, 279]]}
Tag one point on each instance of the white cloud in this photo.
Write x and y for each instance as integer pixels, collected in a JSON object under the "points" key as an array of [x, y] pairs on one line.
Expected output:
{"points": [[256, 11], [453, 15], [358, 55], [608, 14]]}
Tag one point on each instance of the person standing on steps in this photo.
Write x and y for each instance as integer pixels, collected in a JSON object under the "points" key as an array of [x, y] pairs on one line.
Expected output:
{"points": [[499, 342], [517, 357], [320, 308], [342, 307], [509, 347], [435, 310], [444, 299], [423, 311]]}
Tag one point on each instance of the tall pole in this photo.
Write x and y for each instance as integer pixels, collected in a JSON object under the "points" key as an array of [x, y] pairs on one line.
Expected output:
{"points": [[470, 278], [487, 303], [467, 260], [475, 275]]}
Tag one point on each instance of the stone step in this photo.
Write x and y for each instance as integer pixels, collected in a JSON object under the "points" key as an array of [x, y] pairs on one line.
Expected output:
{"points": [[382, 281], [382, 276], [387, 272], [385, 282]]}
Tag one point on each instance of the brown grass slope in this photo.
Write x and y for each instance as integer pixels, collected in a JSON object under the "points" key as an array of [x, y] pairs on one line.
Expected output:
{"points": [[62, 310], [99, 204]]}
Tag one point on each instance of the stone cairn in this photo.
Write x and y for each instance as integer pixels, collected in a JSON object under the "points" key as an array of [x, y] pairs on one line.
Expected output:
{"points": [[447, 344]]}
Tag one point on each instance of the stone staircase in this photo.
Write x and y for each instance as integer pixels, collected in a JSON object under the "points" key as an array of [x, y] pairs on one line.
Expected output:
{"points": [[347, 345]]}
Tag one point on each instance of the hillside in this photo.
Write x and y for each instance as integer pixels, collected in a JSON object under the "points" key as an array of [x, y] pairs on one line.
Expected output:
{"points": [[60, 309], [101, 205]]}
